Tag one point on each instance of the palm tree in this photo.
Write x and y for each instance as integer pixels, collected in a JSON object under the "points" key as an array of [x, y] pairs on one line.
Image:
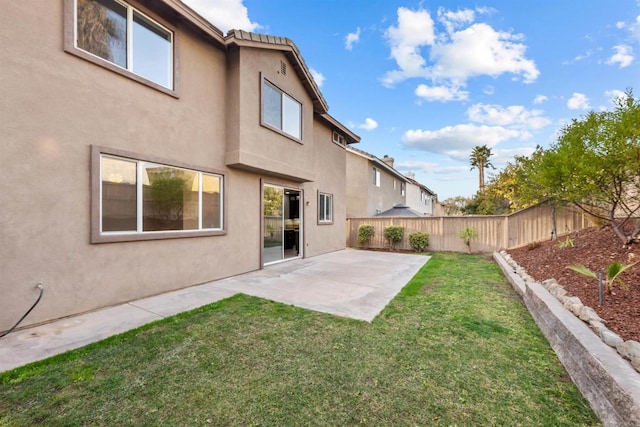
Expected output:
{"points": [[480, 159]]}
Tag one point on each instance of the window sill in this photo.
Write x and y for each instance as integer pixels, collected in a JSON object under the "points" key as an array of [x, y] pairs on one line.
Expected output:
{"points": [[281, 132], [160, 235], [118, 70]]}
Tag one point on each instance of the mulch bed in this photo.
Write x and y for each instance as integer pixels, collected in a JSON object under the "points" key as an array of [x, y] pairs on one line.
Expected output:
{"points": [[594, 248]]}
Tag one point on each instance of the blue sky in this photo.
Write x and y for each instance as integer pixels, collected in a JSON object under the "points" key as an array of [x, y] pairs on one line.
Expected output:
{"points": [[425, 81]]}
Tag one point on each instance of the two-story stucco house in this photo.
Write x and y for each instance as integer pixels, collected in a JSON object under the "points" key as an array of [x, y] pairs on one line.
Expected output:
{"points": [[144, 151], [373, 185], [419, 197]]}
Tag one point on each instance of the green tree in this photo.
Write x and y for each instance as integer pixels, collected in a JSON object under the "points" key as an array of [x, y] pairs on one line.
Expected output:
{"points": [[455, 205], [594, 165], [479, 159]]}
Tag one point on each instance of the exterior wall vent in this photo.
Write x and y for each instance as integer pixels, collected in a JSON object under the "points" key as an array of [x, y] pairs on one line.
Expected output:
{"points": [[283, 68]]}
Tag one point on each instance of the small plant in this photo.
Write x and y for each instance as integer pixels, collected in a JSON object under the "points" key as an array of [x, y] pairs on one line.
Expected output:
{"points": [[271, 230], [466, 235], [566, 244], [419, 241], [613, 271], [365, 234], [394, 235]]}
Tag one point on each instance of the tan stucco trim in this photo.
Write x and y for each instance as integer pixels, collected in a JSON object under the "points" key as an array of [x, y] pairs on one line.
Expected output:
{"points": [[351, 137], [98, 237], [261, 41]]}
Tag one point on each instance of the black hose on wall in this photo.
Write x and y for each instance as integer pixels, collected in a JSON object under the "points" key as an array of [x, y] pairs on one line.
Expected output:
{"points": [[39, 286]]}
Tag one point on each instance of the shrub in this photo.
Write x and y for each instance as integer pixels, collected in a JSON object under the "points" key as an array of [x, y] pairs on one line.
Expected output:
{"points": [[419, 241], [466, 235], [365, 234], [393, 234]]}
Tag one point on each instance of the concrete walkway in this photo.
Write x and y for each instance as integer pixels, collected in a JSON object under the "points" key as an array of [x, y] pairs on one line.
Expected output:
{"points": [[349, 283]]}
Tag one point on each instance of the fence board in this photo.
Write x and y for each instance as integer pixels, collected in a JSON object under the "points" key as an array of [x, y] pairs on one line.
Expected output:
{"points": [[495, 232]]}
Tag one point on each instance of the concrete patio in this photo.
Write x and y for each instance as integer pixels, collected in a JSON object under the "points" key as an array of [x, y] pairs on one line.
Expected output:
{"points": [[350, 283]]}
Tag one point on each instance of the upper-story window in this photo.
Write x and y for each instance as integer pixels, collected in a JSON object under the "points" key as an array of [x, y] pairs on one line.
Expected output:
{"points": [[121, 35], [338, 139], [402, 188], [281, 111], [376, 177]]}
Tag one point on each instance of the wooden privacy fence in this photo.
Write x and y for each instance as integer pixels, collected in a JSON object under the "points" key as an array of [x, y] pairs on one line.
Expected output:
{"points": [[494, 233]]}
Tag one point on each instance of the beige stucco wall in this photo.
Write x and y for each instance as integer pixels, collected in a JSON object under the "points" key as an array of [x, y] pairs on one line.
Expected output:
{"points": [[253, 145], [329, 158], [359, 179], [54, 106], [363, 198]]}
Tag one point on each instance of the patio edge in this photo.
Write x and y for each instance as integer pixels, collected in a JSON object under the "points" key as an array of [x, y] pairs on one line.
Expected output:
{"points": [[605, 379]]}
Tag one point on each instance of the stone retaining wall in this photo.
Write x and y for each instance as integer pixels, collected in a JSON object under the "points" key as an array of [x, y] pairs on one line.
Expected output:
{"points": [[607, 381]]}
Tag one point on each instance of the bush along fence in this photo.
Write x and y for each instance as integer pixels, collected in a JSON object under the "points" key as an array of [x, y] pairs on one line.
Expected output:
{"points": [[467, 233]]}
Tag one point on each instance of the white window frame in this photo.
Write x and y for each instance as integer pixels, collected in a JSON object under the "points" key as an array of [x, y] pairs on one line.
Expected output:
{"points": [[402, 188], [98, 236], [338, 139], [376, 177], [285, 98], [71, 38], [326, 216]]}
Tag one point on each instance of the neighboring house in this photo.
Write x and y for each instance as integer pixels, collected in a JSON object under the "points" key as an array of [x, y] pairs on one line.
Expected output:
{"points": [[419, 197], [144, 151], [401, 211], [373, 185]]}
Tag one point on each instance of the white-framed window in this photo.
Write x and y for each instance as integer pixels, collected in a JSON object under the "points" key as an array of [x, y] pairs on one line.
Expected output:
{"points": [[115, 32], [325, 208], [376, 177], [402, 188], [394, 183], [136, 199], [281, 111], [338, 139]]}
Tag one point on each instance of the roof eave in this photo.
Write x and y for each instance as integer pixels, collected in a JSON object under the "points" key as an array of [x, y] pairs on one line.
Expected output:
{"points": [[243, 38]]}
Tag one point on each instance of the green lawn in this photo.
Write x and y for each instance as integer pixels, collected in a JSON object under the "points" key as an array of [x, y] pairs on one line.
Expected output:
{"points": [[455, 347]]}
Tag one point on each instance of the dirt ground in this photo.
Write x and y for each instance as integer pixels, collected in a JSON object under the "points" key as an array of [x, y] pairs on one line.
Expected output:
{"points": [[594, 248]]}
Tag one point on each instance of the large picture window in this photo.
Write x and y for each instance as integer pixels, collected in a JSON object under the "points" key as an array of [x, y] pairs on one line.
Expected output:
{"points": [[146, 198], [116, 32], [281, 111], [325, 208]]}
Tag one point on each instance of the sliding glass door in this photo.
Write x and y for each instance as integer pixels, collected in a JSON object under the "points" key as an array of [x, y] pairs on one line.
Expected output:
{"points": [[273, 232], [282, 223]]}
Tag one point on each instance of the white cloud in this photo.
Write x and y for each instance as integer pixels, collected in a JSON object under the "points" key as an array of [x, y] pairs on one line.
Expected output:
{"points": [[540, 99], [515, 116], [441, 93], [430, 167], [578, 101], [462, 50], [458, 140], [614, 95], [317, 77], [413, 165], [351, 39], [623, 56], [481, 50], [415, 29], [369, 124], [635, 28], [502, 156], [224, 14], [452, 20]]}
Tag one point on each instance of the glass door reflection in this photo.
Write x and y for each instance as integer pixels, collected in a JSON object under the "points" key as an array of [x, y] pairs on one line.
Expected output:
{"points": [[273, 232]]}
